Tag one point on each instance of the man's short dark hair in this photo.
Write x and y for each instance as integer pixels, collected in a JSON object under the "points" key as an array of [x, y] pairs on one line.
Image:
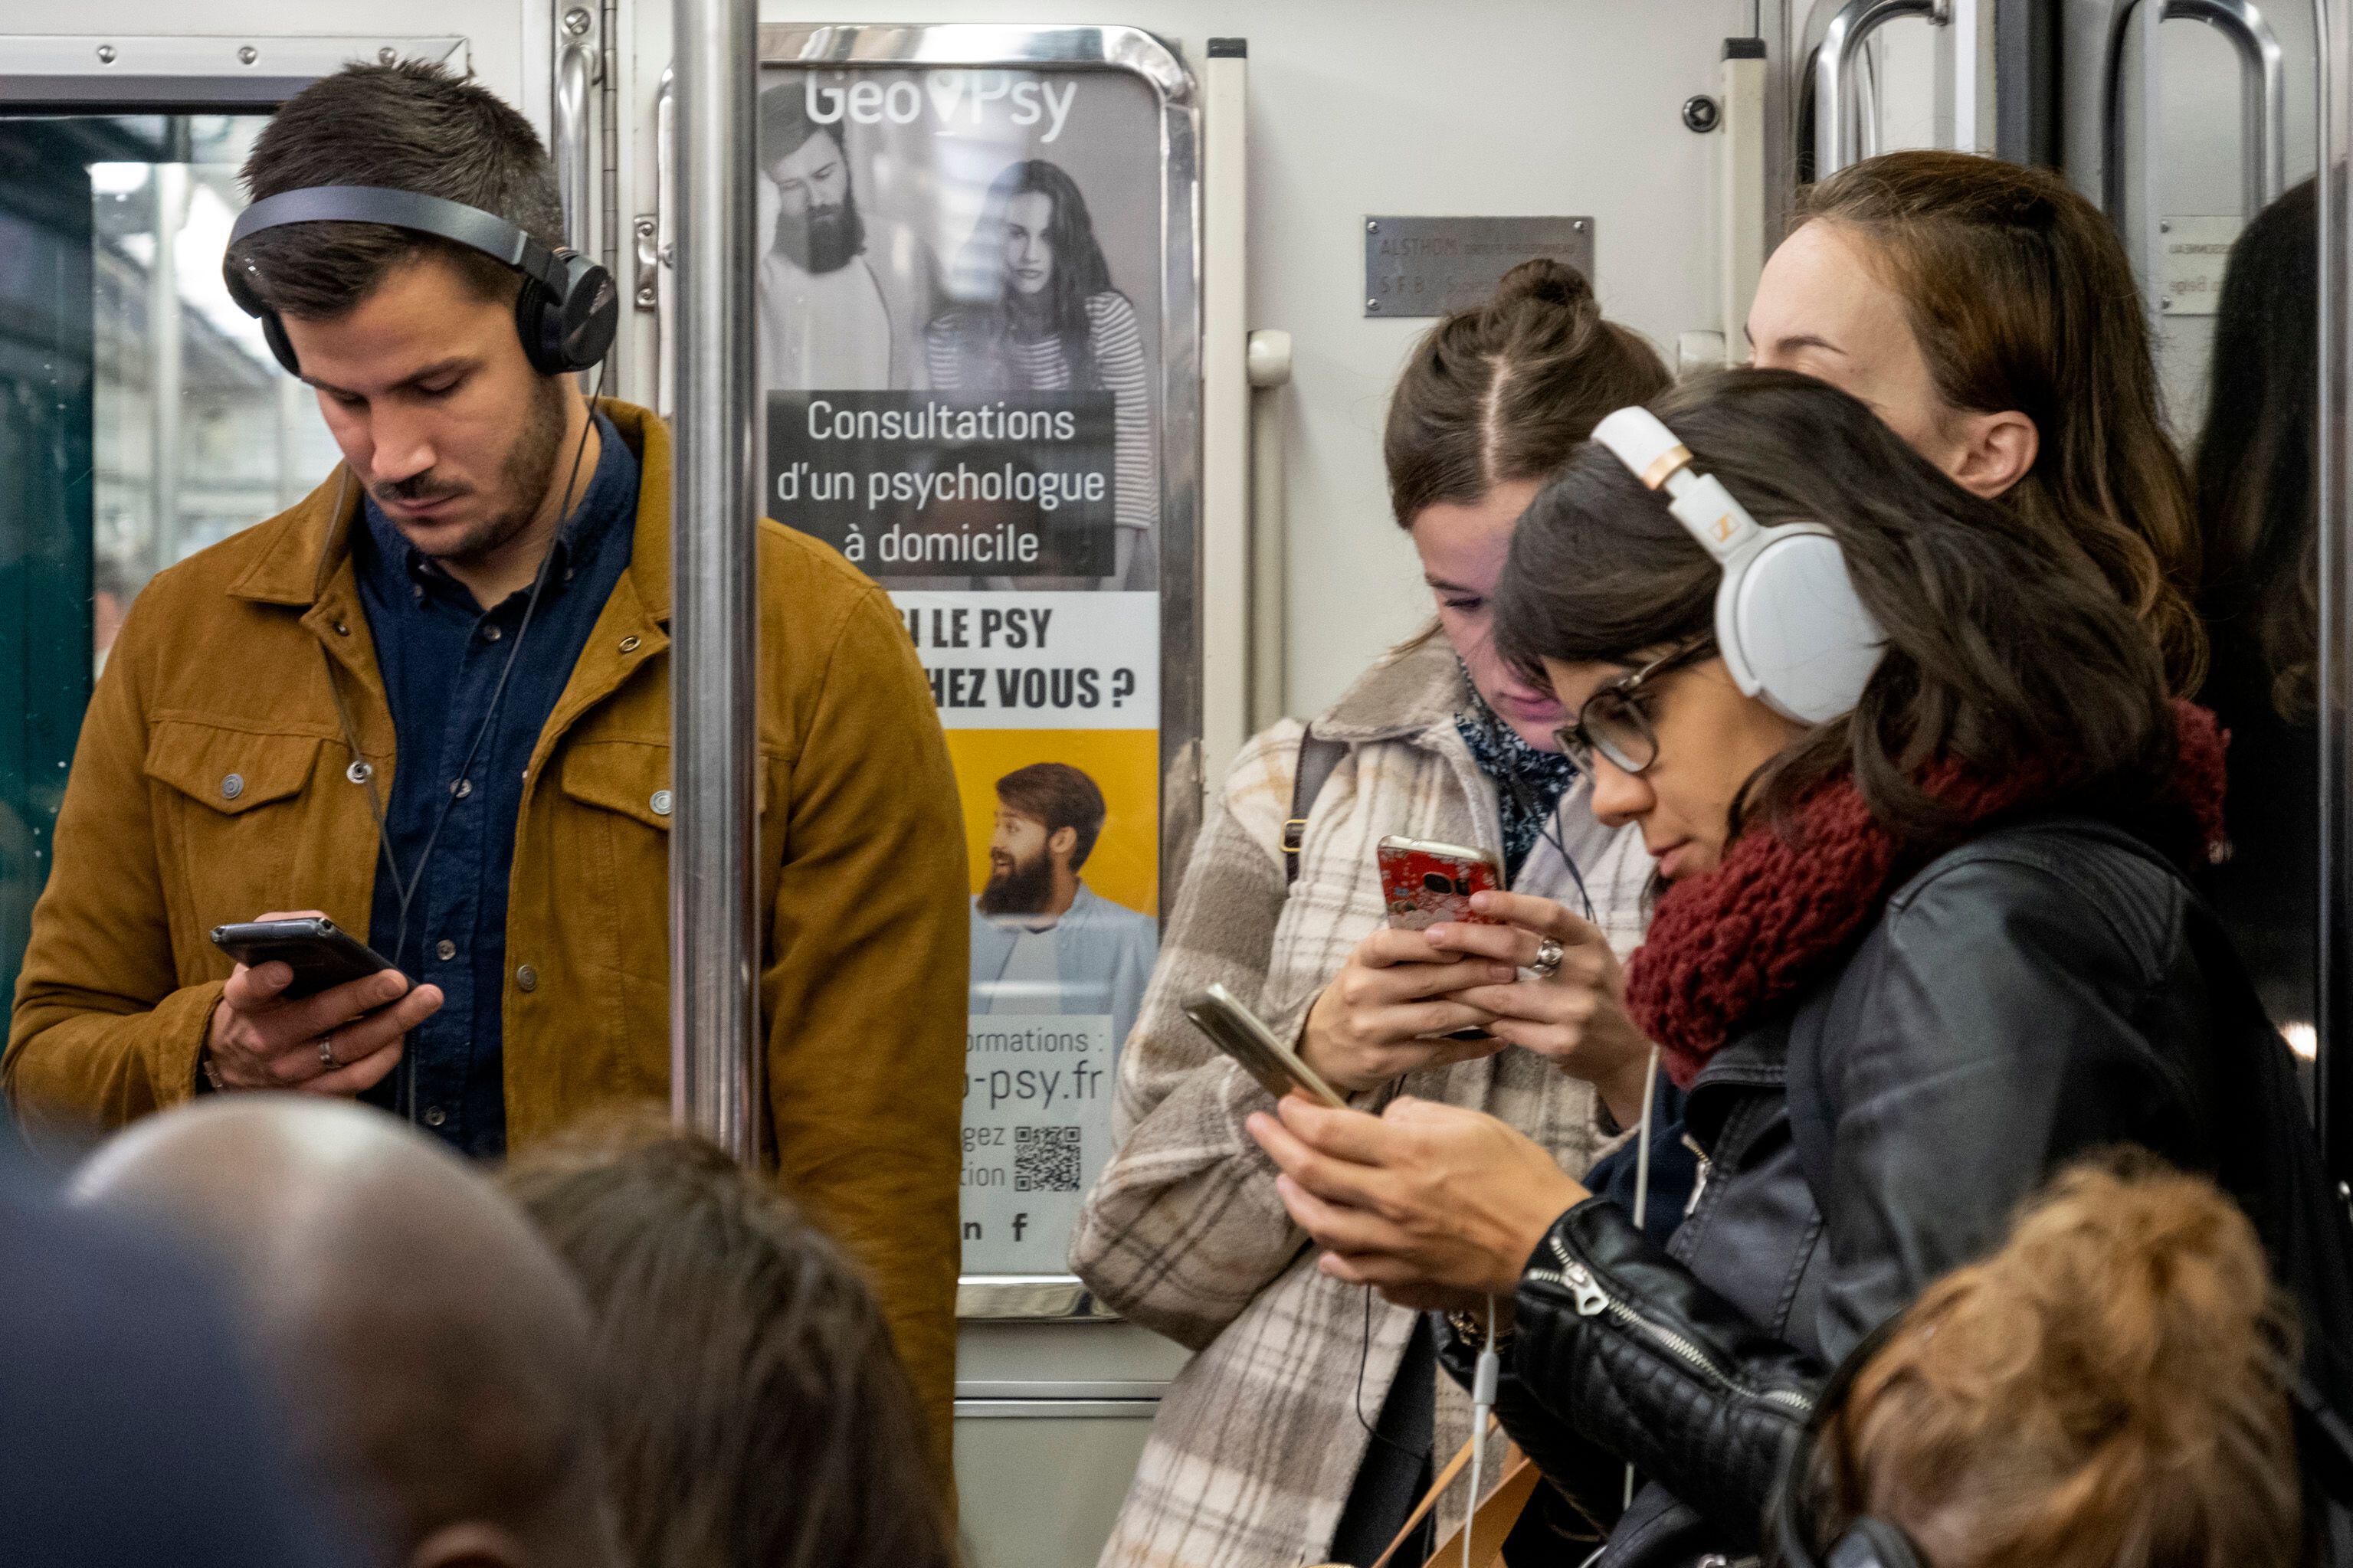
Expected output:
{"points": [[412, 126], [785, 122], [1059, 795]]}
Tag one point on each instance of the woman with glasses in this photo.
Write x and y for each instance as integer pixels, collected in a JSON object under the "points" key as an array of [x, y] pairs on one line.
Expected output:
{"points": [[1303, 1429], [1910, 961]]}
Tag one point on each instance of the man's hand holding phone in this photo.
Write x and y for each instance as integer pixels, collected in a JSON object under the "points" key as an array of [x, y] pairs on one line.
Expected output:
{"points": [[342, 1040]]}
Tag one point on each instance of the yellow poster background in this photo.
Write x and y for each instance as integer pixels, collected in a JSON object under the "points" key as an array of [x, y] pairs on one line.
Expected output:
{"points": [[1125, 765]]}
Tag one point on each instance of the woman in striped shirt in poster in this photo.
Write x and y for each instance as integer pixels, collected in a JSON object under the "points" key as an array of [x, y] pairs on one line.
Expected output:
{"points": [[1056, 323]]}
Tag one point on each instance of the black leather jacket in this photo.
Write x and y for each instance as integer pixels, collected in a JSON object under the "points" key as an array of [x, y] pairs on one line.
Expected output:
{"points": [[2043, 991]]}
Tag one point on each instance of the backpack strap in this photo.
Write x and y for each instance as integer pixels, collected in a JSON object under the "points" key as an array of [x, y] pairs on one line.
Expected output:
{"points": [[1318, 757]]}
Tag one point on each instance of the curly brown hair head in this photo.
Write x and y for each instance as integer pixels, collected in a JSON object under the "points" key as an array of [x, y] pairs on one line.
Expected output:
{"points": [[2110, 1390]]}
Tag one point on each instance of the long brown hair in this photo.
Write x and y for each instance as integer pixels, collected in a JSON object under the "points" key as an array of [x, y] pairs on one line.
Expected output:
{"points": [[1506, 389], [2255, 461], [756, 1414], [2021, 297], [2110, 1390], [2004, 648]]}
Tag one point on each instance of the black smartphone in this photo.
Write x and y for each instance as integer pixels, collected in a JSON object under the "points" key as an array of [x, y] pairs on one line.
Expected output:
{"points": [[321, 953]]}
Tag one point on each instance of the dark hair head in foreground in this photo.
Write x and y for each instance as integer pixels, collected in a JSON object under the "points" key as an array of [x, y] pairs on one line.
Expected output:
{"points": [[757, 1413]]}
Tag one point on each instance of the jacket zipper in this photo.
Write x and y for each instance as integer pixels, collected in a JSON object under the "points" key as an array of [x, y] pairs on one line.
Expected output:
{"points": [[1593, 1301], [1706, 1168]]}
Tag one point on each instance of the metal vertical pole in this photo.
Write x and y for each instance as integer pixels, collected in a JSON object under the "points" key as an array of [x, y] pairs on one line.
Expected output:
{"points": [[167, 355], [2333, 1064], [716, 1062]]}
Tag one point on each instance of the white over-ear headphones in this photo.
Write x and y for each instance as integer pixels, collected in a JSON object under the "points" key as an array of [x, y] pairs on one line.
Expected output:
{"points": [[1787, 621]]}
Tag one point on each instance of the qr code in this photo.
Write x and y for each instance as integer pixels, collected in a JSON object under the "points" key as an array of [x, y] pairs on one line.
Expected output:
{"points": [[1045, 1159]]}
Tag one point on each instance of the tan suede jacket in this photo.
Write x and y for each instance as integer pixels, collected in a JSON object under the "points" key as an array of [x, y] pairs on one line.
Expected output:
{"points": [[221, 671]]}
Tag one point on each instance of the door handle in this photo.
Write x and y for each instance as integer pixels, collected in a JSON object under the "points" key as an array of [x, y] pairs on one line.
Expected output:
{"points": [[2263, 98], [1837, 74], [575, 74]]}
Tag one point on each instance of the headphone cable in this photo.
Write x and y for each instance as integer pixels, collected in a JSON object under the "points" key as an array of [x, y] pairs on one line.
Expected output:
{"points": [[406, 889]]}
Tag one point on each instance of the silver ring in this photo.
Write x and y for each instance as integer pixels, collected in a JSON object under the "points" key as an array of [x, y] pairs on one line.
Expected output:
{"points": [[1549, 952], [327, 1051]]}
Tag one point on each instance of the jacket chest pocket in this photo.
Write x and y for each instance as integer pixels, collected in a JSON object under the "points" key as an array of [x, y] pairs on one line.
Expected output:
{"points": [[247, 830], [618, 839]]}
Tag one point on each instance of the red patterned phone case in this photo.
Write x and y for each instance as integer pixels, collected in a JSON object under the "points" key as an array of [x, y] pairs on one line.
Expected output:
{"points": [[1425, 884]]}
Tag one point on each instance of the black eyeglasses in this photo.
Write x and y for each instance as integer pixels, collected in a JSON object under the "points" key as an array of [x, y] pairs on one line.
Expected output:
{"points": [[1613, 721]]}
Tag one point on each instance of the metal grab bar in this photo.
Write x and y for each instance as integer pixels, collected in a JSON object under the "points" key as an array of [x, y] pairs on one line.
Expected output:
{"points": [[2263, 98], [1837, 142], [666, 245], [717, 1065], [575, 70]]}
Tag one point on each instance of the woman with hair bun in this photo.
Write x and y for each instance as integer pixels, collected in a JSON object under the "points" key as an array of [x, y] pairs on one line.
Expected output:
{"points": [[1304, 1428], [2110, 1390]]}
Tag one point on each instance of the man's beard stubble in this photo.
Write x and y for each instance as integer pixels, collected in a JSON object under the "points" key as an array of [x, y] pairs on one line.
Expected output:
{"points": [[526, 477], [822, 239], [1024, 887]]}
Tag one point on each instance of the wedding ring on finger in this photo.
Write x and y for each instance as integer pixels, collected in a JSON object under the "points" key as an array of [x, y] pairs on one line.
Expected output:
{"points": [[327, 1051], [1549, 952]]}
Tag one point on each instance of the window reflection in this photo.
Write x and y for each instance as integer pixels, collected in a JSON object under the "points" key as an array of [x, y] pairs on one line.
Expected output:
{"points": [[141, 418], [196, 431]]}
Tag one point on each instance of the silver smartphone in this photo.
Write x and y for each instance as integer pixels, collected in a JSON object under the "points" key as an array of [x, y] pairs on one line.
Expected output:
{"points": [[1236, 1031]]}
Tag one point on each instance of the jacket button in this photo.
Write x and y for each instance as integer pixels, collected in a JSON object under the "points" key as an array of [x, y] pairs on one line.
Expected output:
{"points": [[527, 978], [434, 1116], [660, 803], [232, 786], [445, 950], [343, 628], [361, 771], [629, 645]]}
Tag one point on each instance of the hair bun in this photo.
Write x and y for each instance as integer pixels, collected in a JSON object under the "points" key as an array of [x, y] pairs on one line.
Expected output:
{"points": [[1543, 281]]}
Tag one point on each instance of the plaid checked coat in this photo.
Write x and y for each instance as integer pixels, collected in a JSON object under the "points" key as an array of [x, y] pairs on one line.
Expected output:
{"points": [[1257, 1442]]}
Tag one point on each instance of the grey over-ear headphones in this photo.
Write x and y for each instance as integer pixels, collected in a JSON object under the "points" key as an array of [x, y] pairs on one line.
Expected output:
{"points": [[1787, 621], [567, 310]]}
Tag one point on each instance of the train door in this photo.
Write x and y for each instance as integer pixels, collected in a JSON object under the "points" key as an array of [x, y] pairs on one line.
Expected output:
{"points": [[2197, 125], [142, 417]]}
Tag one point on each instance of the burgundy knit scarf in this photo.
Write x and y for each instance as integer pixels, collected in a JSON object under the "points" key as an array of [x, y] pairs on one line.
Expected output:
{"points": [[1728, 944]]}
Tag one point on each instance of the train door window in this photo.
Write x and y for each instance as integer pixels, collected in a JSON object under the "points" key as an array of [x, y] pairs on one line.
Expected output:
{"points": [[141, 418], [2202, 143]]}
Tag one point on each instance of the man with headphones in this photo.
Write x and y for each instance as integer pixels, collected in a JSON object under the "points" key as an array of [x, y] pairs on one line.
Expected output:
{"points": [[432, 702]]}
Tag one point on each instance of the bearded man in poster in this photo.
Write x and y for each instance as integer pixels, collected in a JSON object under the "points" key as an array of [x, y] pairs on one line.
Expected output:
{"points": [[1042, 940]]}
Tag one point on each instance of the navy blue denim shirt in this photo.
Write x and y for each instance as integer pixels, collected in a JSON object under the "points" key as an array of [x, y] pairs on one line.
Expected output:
{"points": [[442, 655]]}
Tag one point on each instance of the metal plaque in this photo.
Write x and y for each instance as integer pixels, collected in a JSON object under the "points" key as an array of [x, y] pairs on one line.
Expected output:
{"points": [[1430, 266], [2197, 253]]}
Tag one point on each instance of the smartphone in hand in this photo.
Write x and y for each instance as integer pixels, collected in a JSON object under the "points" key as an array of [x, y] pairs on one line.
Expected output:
{"points": [[322, 954], [1237, 1031], [1425, 884]]}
